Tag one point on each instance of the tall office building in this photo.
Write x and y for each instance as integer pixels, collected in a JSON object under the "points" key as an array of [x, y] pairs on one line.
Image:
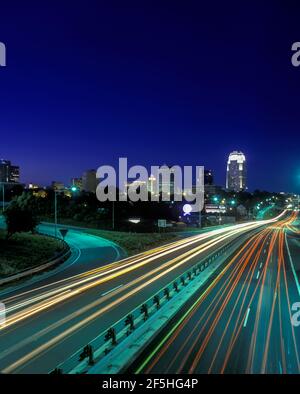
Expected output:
{"points": [[236, 172], [8, 172], [208, 177], [89, 181], [152, 185], [58, 186], [166, 180]]}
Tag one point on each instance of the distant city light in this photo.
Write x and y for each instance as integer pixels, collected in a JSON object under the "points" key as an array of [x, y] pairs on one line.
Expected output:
{"points": [[135, 221]]}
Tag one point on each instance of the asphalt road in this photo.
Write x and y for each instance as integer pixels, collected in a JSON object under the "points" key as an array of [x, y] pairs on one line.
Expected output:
{"points": [[49, 322], [240, 323], [88, 252]]}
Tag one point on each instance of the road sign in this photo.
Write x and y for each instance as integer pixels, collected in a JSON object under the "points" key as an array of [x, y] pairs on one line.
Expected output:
{"points": [[162, 223], [63, 232]]}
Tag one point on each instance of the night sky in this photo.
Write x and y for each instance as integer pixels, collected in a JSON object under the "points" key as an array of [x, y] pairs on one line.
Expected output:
{"points": [[176, 82]]}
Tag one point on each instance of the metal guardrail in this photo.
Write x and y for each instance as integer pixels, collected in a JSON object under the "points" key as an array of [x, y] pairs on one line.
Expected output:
{"points": [[100, 346], [62, 256]]}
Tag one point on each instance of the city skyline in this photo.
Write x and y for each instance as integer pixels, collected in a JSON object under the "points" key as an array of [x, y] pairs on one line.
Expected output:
{"points": [[69, 181], [149, 194], [179, 95]]}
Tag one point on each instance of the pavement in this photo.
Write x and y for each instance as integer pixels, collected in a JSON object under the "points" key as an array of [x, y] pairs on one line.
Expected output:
{"points": [[88, 252], [242, 322], [50, 321]]}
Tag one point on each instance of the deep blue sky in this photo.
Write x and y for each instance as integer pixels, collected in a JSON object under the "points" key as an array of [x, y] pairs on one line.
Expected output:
{"points": [[160, 82]]}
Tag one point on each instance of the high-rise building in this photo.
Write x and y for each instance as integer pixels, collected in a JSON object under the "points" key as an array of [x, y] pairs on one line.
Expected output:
{"points": [[89, 181], [236, 172], [58, 186], [8, 172], [152, 185], [208, 177], [166, 182]]}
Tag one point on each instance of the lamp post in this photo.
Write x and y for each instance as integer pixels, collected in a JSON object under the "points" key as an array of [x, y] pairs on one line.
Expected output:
{"points": [[74, 189], [3, 192], [3, 198]]}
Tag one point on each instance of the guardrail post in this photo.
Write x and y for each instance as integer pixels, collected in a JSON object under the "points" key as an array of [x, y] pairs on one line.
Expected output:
{"points": [[129, 321], [175, 285], [167, 293], [85, 353], [91, 355], [156, 301], [144, 310], [111, 334]]}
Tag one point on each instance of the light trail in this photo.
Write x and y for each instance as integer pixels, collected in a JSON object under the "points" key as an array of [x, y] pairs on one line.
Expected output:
{"points": [[46, 304], [171, 336], [164, 268], [112, 273], [249, 257], [153, 255], [59, 338]]}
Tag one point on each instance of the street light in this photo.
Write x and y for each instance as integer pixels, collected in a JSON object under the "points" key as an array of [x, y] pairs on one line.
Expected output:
{"points": [[55, 209], [3, 198], [3, 192]]}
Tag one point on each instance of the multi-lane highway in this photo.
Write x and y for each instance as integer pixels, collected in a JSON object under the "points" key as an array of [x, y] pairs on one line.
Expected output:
{"points": [[242, 321], [49, 322]]}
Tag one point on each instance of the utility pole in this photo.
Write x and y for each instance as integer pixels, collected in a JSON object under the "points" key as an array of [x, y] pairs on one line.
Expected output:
{"points": [[3, 192], [3, 198]]}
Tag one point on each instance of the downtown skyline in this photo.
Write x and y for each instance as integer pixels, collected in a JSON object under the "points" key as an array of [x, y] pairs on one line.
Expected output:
{"points": [[69, 181], [92, 90], [149, 194]]}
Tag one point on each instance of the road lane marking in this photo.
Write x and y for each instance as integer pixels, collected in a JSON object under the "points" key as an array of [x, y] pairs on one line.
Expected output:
{"points": [[246, 318], [257, 276], [260, 265], [111, 290]]}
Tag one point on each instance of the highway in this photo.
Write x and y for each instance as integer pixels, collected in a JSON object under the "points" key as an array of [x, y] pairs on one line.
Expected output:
{"points": [[241, 322], [49, 322], [88, 252]]}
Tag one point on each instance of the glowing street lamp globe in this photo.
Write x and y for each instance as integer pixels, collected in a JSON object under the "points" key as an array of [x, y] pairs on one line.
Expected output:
{"points": [[187, 209]]}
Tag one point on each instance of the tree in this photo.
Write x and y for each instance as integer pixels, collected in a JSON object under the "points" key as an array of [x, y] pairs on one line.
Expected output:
{"points": [[19, 215]]}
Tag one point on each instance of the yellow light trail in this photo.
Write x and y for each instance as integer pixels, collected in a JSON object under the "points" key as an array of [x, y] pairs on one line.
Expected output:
{"points": [[109, 274]]}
